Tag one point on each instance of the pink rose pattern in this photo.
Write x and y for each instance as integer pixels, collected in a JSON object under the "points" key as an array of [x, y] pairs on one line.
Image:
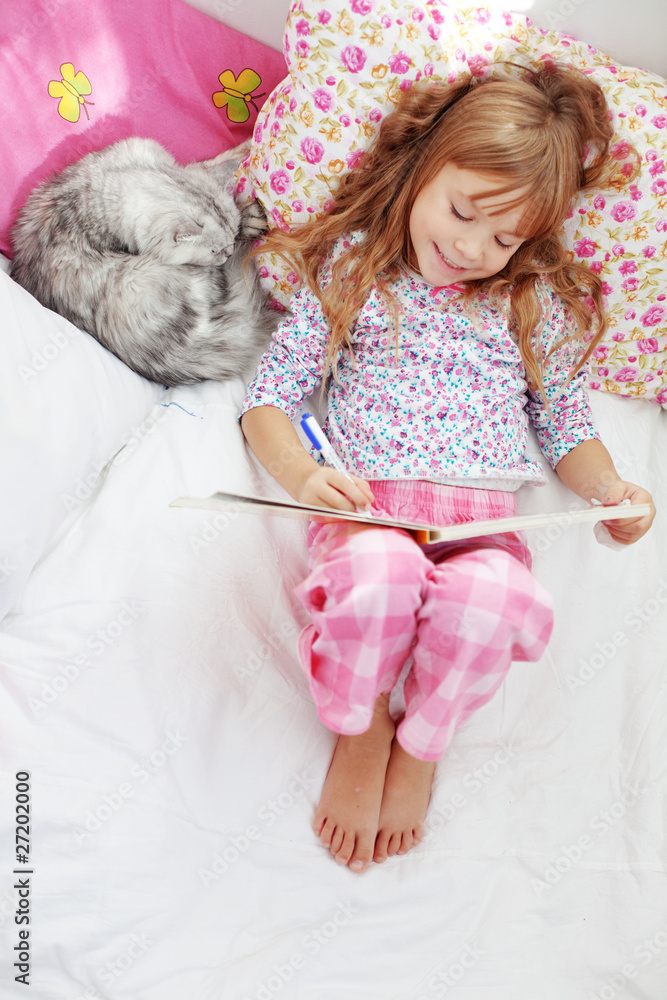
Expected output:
{"points": [[280, 181], [312, 149], [349, 59], [353, 58]]}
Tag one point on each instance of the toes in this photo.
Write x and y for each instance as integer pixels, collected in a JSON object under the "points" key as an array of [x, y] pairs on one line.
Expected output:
{"points": [[324, 829], [362, 857], [356, 852], [333, 837], [406, 844], [343, 853], [389, 844], [380, 853], [394, 844], [345, 848], [338, 842]]}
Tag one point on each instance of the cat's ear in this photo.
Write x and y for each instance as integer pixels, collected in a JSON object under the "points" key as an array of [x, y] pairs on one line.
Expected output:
{"points": [[187, 231]]}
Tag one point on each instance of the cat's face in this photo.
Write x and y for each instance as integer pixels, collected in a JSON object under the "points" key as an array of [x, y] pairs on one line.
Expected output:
{"points": [[203, 241]]}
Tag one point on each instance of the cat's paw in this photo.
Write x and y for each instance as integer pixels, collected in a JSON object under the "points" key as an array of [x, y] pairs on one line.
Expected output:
{"points": [[253, 221]]}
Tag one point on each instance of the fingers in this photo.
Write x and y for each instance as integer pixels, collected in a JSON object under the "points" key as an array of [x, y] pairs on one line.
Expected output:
{"points": [[365, 489], [631, 529], [626, 536], [628, 531], [332, 497], [347, 494], [327, 488]]}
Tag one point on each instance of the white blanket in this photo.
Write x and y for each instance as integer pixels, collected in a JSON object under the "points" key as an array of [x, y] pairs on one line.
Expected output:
{"points": [[150, 687]]}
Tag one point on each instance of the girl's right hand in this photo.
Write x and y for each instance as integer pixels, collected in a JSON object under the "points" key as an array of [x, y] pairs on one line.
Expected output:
{"points": [[324, 487], [275, 442]]}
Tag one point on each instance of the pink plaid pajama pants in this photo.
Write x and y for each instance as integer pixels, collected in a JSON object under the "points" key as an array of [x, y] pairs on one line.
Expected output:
{"points": [[463, 610]]}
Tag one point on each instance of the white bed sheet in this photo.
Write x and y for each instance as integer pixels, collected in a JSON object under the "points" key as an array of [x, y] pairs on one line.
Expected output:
{"points": [[150, 686]]}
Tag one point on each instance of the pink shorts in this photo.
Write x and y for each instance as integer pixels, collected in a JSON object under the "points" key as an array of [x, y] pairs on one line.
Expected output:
{"points": [[434, 504], [462, 610]]}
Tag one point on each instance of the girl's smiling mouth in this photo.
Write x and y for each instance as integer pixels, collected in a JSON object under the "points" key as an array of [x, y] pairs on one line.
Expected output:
{"points": [[447, 262]]}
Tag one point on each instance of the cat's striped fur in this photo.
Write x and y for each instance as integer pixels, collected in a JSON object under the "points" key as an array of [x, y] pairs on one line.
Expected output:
{"points": [[148, 257]]}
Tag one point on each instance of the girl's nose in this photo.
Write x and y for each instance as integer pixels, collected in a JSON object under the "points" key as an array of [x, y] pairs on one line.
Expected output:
{"points": [[469, 246]]}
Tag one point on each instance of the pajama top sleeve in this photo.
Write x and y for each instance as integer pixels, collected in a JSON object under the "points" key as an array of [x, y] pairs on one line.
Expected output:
{"points": [[293, 365], [567, 420]]}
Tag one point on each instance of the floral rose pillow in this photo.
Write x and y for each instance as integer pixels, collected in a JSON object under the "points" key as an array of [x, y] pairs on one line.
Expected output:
{"points": [[348, 60], [622, 236]]}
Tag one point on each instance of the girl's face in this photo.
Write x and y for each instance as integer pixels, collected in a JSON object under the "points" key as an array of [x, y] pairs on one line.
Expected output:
{"points": [[457, 239]]}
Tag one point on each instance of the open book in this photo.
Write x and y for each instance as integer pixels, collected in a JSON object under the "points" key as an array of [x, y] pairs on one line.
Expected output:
{"points": [[243, 502]]}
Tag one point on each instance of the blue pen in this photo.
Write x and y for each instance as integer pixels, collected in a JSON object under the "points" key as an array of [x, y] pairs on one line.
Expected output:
{"points": [[315, 435]]}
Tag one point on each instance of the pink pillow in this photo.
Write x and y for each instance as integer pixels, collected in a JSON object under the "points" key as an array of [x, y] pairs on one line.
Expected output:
{"points": [[85, 74]]}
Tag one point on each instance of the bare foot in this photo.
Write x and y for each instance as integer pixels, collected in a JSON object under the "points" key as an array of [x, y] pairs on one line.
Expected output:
{"points": [[346, 820], [407, 793]]}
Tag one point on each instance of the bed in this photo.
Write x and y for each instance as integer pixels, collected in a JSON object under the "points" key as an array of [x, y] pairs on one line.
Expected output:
{"points": [[154, 717]]}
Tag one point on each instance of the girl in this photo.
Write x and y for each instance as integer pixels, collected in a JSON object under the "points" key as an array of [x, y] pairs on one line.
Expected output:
{"points": [[444, 313]]}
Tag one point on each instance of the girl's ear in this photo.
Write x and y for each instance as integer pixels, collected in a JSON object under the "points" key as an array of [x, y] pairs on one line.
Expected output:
{"points": [[187, 231]]}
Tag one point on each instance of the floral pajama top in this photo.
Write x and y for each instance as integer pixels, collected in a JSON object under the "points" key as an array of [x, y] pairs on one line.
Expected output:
{"points": [[449, 402]]}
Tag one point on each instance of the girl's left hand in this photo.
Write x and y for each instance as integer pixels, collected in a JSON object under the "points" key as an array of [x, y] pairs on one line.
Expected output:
{"points": [[627, 531]]}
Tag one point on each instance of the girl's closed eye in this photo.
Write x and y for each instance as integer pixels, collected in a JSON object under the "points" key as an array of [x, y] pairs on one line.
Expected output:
{"points": [[458, 215], [464, 218]]}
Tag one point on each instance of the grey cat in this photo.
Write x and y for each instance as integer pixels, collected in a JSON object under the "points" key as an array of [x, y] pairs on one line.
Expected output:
{"points": [[148, 256]]}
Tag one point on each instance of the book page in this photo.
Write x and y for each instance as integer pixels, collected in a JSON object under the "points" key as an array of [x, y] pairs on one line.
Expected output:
{"points": [[247, 503]]}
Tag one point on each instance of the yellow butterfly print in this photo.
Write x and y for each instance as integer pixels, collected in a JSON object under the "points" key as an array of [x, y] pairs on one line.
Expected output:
{"points": [[71, 90], [235, 93]]}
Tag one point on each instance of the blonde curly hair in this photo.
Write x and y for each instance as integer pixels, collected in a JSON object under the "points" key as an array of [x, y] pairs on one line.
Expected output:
{"points": [[545, 135]]}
